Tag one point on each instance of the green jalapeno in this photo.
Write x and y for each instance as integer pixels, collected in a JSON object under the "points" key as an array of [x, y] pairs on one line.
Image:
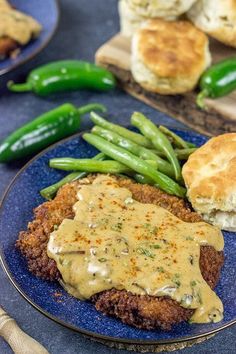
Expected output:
{"points": [[219, 80], [48, 128], [65, 75]]}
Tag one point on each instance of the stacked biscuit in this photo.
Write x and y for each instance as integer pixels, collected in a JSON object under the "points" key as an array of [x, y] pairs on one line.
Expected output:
{"points": [[134, 12], [214, 17], [170, 54]]}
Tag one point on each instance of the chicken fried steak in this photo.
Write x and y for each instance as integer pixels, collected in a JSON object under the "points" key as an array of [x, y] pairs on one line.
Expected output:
{"points": [[142, 311]]}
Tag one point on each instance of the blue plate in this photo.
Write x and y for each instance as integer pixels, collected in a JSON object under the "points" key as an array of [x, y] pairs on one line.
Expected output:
{"points": [[46, 13], [16, 210]]}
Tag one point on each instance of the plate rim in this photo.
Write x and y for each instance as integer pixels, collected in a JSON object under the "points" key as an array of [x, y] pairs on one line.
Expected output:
{"points": [[85, 332], [38, 49]]}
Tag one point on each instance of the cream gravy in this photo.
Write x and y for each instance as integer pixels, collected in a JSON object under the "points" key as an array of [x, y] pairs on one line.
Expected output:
{"points": [[116, 242]]}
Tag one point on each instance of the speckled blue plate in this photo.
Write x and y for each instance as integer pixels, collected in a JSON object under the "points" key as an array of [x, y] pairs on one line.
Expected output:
{"points": [[16, 210], [45, 12]]}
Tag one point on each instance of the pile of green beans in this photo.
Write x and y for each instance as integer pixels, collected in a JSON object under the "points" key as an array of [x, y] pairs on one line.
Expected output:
{"points": [[152, 156]]}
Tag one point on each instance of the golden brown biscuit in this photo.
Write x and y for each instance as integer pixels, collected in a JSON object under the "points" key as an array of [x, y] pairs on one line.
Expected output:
{"points": [[210, 176], [169, 57], [216, 18]]}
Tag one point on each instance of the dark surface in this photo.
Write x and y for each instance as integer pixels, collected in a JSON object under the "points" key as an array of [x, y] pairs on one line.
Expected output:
{"points": [[84, 26]]}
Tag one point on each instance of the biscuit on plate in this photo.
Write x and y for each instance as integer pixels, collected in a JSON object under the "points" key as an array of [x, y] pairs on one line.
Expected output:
{"points": [[169, 57], [210, 177], [216, 18], [160, 8]]}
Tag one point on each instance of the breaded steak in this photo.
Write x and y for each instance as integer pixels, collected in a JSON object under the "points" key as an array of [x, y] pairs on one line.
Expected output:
{"points": [[142, 311]]}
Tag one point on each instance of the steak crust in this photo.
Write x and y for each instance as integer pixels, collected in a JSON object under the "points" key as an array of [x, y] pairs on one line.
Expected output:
{"points": [[142, 311]]}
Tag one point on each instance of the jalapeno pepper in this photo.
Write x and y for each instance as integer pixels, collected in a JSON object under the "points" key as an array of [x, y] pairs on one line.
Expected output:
{"points": [[66, 75], [219, 80], [46, 129]]}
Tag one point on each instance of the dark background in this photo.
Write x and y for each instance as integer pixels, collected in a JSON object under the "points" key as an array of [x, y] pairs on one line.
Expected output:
{"points": [[84, 26]]}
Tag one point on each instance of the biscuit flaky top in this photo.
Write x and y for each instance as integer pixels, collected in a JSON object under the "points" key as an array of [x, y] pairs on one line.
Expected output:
{"points": [[216, 18], [172, 49], [210, 173]]}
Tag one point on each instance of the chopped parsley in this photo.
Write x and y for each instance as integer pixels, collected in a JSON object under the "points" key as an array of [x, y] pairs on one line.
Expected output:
{"points": [[145, 252], [199, 297], [189, 238], [160, 269], [155, 246], [176, 280], [151, 229], [117, 227], [102, 260]]}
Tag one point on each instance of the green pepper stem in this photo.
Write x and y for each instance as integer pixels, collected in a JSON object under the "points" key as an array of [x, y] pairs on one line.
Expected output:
{"points": [[26, 86], [201, 97], [91, 107]]}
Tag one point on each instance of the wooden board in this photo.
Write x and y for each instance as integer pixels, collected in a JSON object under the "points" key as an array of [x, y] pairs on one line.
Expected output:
{"points": [[221, 114]]}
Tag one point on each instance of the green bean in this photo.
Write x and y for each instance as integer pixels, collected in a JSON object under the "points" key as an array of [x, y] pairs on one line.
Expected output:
{"points": [[135, 149], [159, 140], [142, 179], [177, 140], [135, 163], [152, 163], [88, 165], [183, 154], [191, 145], [50, 191], [126, 133]]}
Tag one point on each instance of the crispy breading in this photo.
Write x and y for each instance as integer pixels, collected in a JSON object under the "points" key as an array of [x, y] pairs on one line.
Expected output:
{"points": [[141, 311]]}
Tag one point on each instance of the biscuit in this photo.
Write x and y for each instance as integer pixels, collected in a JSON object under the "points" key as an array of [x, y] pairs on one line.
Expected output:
{"points": [[129, 20], [169, 57], [216, 18], [160, 8], [210, 177]]}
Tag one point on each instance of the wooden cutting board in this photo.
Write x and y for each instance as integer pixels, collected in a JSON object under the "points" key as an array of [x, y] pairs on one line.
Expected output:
{"points": [[221, 115]]}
